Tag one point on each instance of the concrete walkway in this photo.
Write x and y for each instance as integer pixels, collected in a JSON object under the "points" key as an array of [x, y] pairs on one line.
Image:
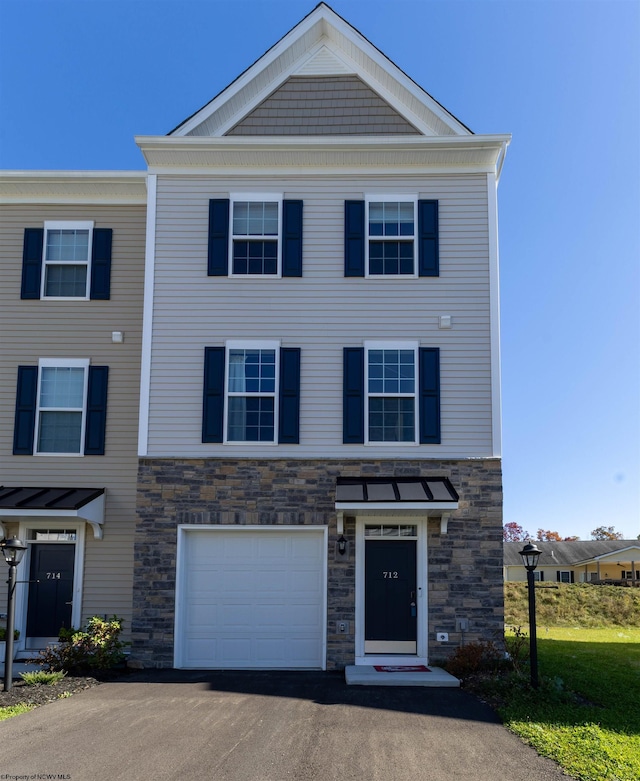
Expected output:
{"points": [[266, 726]]}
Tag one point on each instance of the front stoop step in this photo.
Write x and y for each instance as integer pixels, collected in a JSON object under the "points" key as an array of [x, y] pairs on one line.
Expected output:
{"points": [[365, 675], [20, 667]]}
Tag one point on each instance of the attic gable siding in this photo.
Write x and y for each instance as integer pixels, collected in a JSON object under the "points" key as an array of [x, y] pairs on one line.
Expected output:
{"points": [[323, 105]]}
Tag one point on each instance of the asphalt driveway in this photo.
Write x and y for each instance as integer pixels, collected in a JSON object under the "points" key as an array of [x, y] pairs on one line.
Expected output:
{"points": [[264, 726]]}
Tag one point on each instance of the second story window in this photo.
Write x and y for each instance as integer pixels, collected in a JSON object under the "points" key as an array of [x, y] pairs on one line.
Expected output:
{"points": [[66, 262], [61, 404], [255, 237], [251, 394], [391, 237], [391, 393]]}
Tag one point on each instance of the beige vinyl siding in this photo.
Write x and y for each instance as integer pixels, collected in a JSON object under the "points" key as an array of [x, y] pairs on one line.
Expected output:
{"points": [[81, 329], [322, 312], [323, 105]]}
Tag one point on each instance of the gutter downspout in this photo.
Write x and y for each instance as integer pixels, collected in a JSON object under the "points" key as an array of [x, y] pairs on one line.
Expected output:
{"points": [[501, 159]]}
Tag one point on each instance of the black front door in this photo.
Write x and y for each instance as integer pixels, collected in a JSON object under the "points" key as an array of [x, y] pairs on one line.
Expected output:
{"points": [[390, 623], [50, 589]]}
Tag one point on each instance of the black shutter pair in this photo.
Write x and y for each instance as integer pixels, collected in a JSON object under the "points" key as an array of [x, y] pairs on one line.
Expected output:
{"points": [[353, 405], [289, 396], [26, 405], [355, 236], [218, 248], [100, 283]]}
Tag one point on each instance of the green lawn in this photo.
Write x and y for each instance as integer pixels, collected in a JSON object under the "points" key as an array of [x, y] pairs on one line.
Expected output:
{"points": [[596, 735]]}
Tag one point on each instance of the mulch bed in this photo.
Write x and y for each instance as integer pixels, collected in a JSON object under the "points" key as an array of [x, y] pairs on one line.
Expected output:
{"points": [[42, 693]]}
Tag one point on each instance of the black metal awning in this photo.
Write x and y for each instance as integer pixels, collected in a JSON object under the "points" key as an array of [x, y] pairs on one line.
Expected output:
{"points": [[393, 496], [64, 503], [422, 490]]}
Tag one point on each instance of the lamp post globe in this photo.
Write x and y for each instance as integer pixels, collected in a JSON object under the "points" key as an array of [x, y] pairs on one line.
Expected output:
{"points": [[13, 550], [530, 555]]}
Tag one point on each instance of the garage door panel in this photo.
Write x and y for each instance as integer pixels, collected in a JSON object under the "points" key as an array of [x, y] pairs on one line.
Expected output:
{"points": [[253, 599]]}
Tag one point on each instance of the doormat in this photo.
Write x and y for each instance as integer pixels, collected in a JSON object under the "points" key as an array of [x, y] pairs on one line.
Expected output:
{"points": [[389, 668]]}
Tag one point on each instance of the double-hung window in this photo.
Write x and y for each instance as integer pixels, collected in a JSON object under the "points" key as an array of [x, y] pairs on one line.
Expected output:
{"points": [[391, 233], [391, 392], [67, 258], [61, 408], [391, 236], [252, 391], [67, 261], [60, 418], [255, 235]]}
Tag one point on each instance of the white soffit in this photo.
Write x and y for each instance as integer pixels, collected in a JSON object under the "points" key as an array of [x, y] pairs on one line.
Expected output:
{"points": [[326, 154], [96, 187], [325, 41]]}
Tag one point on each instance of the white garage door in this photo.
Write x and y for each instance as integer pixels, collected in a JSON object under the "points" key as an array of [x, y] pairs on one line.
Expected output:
{"points": [[251, 599]]}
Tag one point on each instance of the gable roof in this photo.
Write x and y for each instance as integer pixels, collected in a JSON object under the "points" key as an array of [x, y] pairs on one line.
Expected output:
{"points": [[569, 554], [322, 44]]}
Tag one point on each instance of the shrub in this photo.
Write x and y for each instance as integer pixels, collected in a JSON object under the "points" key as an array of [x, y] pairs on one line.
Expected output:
{"points": [[41, 676], [517, 644], [98, 647], [474, 658], [3, 634]]}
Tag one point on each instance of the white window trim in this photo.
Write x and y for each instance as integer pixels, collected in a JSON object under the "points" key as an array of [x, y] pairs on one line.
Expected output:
{"points": [[65, 363], [66, 225], [22, 589], [565, 572], [252, 344], [259, 198], [391, 346], [383, 197]]}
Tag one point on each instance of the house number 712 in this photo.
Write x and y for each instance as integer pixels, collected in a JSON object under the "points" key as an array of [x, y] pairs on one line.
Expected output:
{"points": [[387, 574]]}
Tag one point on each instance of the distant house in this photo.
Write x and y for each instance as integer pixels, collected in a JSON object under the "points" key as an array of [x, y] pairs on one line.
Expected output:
{"points": [[589, 561]]}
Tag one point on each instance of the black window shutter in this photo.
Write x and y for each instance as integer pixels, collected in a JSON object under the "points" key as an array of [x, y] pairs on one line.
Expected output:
{"points": [[573, 576], [32, 262], [218, 255], [292, 238], [289, 413], [354, 238], [428, 261], [353, 396], [25, 419], [429, 396], [213, 395], [558, 578], [96, 422], [100, 288], [541, 575]]}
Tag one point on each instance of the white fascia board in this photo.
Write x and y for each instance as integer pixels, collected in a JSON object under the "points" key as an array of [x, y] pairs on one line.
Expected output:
{"points": [[398, 506], [73, 187], [147, 317], [456, 154]]}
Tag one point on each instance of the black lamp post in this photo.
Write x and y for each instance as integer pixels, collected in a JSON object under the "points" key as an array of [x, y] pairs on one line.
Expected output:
{"points": [[530, 555], [13, 550]]}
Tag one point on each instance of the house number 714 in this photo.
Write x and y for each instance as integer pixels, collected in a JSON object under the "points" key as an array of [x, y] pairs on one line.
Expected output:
{"points": [[387, 574], [54, 575]]}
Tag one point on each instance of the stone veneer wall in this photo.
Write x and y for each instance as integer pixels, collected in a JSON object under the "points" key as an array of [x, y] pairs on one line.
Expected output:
{"points": [[464, 565]]}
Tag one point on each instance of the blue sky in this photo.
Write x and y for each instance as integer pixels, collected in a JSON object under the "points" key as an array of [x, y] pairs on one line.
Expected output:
{"points": [[78, 79]]}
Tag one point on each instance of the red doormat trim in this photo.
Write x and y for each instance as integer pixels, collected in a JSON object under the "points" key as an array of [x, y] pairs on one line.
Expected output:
{"points": [[390, 668]]}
